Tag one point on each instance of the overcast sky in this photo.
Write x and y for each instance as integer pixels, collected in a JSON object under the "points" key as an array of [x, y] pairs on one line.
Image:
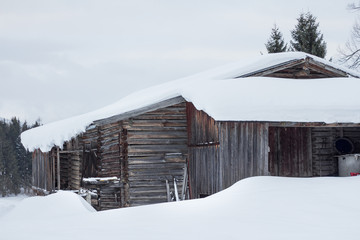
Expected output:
{"points": [[68, 57]]}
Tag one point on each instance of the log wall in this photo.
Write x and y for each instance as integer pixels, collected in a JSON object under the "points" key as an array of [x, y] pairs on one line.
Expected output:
{"points": [[325, 162], [156, 151]]}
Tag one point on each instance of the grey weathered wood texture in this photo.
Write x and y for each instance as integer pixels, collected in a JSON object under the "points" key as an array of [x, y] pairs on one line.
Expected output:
{"points": [[290, 151], [306, 68], [156, 152], [221, 153]]}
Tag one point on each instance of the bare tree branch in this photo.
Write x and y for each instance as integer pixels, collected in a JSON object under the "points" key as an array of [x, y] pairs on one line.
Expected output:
{"points": [[350, 54]]}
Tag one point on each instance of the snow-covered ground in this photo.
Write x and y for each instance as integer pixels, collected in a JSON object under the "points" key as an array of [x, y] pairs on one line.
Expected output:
{"points": [[8, 203], [254, 208]]}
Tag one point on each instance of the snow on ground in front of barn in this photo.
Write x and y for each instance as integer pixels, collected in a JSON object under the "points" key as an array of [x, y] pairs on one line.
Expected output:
{"points": [[254, 208], [8, 203]]}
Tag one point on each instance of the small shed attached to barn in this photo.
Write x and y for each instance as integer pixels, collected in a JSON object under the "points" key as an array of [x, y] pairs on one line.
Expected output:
{"points": [[287, 114]]}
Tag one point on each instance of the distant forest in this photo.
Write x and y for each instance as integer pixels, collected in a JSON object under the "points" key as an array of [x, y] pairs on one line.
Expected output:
{"points": [[15, 160]]}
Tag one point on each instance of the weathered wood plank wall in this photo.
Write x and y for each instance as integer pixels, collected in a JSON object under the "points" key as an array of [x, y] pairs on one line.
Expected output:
{"points": [[101, 158], [243, 151], [156, 151], [323, 151], [290, 151], [325, 162], [42, 171], [91, 143], [109, 153], [222, 153], [203, 139]]}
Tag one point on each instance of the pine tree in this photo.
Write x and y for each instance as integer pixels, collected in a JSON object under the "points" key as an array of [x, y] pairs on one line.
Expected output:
{"points": [[2, 167], [15, 160], [307, 38], [276, 42]]}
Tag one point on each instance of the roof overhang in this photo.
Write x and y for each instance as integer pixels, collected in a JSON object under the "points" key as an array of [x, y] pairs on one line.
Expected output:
{"points": [[299, 68], [139, 111]]}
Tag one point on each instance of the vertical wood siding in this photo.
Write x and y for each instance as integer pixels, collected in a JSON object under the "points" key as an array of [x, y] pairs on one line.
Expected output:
{"points": [[203, 138], [290, 151], [204, 170], [203, 129], [42, 171], [222, 153], [243, 151]]}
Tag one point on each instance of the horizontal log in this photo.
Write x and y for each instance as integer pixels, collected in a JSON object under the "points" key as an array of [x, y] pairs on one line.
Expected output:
{"points": [[157, 141], [147, 184], [147, 198], [152, 171], [109, 205], [157, 128], [138, 177], [155, 134], [113, 152], [321, 151], [177, 108], [159, 117], [140, 111], [158, 166], [156, 161], [157, 148], [141, 154], [111, 158]]}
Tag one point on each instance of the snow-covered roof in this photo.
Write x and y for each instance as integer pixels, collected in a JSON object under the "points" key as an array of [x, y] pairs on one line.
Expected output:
{"points": [[227, 98]]}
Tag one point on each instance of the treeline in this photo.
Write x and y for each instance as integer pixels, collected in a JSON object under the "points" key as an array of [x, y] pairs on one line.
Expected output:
{"points": [[15, 160], [306, 37]]}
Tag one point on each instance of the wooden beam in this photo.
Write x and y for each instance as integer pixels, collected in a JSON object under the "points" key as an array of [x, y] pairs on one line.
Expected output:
{"points": [[58, 167], [176, 191], [272, 69], [53, 172], [326, 69], [168, 191], [312, 124]]}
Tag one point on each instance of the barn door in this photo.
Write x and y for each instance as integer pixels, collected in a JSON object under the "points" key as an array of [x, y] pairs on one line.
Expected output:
{"points": [[290, 151]]}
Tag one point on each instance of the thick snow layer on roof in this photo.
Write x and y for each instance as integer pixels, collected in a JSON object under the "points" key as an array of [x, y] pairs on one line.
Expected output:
{"points": [[254, 209], [228, 99]]}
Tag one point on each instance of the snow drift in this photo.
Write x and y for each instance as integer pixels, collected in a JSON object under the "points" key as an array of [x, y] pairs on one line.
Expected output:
{"points": [[254, 208], [60, 204]]}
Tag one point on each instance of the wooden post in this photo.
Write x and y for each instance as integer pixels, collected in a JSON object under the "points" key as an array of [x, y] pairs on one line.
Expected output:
{"points": [[184, 183], [53, 171], [168, 191], [88, 197], [176, 191], [58, 167]]}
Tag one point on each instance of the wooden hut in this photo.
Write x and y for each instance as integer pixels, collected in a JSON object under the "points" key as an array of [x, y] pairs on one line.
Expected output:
{"points": [[174, 144]]}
